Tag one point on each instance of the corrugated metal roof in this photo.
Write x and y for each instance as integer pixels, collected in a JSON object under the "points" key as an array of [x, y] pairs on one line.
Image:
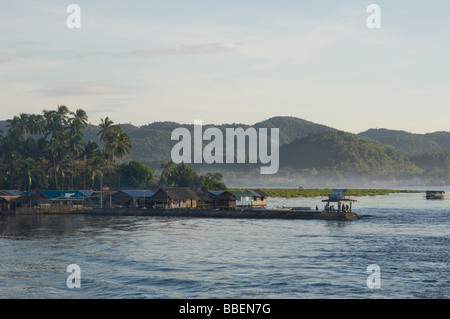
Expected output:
{"points": [[243, 193], [15, 192], [177, 193], [138, 192], [10, 192], [77, 195], [216, 192], [257, 192], [87, 192]]}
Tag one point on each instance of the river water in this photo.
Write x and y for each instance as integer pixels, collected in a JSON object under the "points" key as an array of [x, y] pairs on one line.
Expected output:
{"points": [[407, 236]]}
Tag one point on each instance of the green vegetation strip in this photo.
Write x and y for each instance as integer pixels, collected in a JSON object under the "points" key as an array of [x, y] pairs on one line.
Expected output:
{"points": [[324, 192]]}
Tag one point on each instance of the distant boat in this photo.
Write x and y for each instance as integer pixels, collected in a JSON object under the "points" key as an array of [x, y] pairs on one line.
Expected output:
{"points": [[435, 194]]}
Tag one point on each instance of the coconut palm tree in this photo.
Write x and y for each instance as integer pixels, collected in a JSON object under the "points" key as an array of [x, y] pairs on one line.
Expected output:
{"points": [[121, 145], [167, 172], [78, 122], [90, 152], [19, 123], [35, 125], [94, 168], [59, 163], [107, 127]]}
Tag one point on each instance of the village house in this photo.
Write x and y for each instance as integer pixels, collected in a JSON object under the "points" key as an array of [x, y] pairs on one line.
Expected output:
{"points": [[207, 200], [132, 198], [224, 199], [64, 197], [259, 198], [6, 198], [30, 200], [175, 197], [161, 197], [244, 198]]}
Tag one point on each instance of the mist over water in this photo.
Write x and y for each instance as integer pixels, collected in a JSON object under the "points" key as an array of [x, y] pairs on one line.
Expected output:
{"points": [[155, 257]]}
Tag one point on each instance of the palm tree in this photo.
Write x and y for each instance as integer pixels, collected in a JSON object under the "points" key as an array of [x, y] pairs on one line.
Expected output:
{"points": [[62, 113], [94, 169], [56, 121], [167, 172], [90, 152], [59, 164], [27, 168], [78, 122], [107, 127], [51, 125], [122, 145], [74, 146], [19, 123], [35, 125]]}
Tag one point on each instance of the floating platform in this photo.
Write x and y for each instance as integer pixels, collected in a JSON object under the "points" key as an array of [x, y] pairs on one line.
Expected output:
{"points": [[435, 194], [236, 214]]}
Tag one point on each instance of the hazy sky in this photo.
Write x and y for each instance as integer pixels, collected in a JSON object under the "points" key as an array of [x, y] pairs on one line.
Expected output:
{"points": [[230, 61]]}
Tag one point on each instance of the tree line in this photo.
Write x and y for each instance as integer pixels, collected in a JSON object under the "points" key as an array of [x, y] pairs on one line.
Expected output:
{"points": [[47, 151]]}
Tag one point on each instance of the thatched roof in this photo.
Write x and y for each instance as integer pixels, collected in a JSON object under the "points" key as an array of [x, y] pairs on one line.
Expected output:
{"points": [[175, 193], [33, 198]]}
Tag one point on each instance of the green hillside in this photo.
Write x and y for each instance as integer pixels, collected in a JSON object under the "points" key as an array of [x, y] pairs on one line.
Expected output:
{"points": [[405, 142], [292, 128], [441, 138], [346, 153], [152, 144]]}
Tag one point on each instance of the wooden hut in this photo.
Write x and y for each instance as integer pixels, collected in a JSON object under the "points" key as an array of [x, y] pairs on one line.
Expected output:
{"points": [[224, 199], [7, 197], [132, 198], [175, 198], [259, 198], [207, 200], [30, 200]]}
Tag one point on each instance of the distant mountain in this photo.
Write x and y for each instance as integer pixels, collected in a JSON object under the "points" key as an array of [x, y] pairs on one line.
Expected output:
{"points": [[408, 143], [432, 160], [343, 152], [292, 128], [441, 138], [152, 144]]}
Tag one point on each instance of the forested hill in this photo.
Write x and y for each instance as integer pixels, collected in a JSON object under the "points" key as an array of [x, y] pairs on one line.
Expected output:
{"points": [[345, 153], [409, 143], [152, 144]]}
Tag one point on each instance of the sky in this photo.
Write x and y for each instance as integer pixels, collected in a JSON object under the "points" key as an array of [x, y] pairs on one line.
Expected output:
{"points": [[235, 61]]}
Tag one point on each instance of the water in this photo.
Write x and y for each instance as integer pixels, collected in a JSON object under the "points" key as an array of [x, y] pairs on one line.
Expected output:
{"points": [[155, 257]]}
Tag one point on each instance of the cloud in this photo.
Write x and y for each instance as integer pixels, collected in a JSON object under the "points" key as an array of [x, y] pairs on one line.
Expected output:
{"points": [[86, 89], [205, 48]]}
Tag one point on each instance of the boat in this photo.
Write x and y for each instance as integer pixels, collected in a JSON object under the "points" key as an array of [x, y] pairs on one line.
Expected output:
{"points": [[435, 194]]}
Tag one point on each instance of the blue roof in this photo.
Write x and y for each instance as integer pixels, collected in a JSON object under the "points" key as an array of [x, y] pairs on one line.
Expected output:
{"points": [[139, 192], [64, 194], [216, 192]]}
